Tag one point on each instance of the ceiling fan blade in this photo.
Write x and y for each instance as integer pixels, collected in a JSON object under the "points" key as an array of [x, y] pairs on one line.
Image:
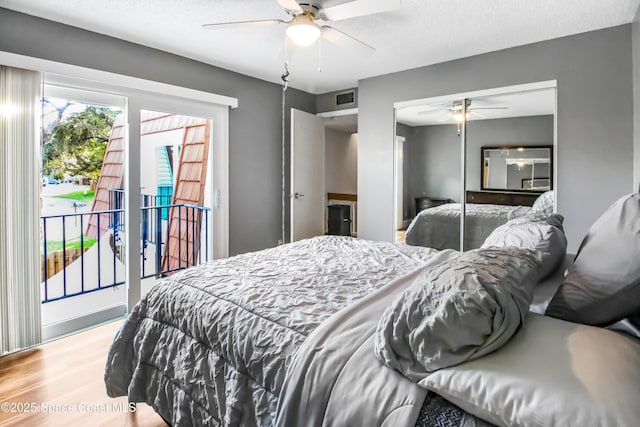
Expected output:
{"points": [[445, 117], [488, 108], [433, 111], [290, 5], [341, 38], [447, 104], [357, 8], [224, 25]]}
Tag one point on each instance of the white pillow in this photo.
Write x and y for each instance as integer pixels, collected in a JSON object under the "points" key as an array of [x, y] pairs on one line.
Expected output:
{"points": [[551, 373], [539, 231], [544, 203]]}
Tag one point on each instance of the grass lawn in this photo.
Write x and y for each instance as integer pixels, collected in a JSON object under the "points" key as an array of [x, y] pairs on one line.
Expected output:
{"points": [[78, 195], [56, 245]]}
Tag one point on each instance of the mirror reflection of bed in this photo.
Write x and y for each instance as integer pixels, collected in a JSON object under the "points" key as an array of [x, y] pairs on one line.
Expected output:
{"points": [[508, 146]]}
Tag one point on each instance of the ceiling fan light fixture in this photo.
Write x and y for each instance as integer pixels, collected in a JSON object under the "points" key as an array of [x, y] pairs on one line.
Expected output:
{"points": [[303, 31], [457, 116]]}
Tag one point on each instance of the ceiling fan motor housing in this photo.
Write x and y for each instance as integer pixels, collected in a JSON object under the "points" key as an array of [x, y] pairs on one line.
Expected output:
{"points": [[310, 9]]}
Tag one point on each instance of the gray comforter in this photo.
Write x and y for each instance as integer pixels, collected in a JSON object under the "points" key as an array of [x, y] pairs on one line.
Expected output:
{"points": [[439, 227], [211, 345], [337, 365]]}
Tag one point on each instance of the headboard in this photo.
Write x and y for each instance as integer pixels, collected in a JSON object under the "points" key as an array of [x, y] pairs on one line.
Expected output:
{"points": [[509, 198]]}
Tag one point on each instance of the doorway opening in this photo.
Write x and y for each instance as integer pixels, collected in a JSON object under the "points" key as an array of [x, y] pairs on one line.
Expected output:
{"points": [[341, 174], [324, 174]]}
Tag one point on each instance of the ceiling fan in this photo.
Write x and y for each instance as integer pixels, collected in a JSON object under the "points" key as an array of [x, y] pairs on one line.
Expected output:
{"points": [[454, 110], [308, 20]]}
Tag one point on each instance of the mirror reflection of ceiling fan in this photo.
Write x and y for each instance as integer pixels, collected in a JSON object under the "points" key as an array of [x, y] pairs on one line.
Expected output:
{"points": [[308, 20], [453, 110]]}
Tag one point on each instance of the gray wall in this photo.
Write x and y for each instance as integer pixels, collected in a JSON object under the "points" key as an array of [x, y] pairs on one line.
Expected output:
{"points": [[434, 163], [636, 98], [254, 127], [327, 101], [341, 162], [595, 127]]}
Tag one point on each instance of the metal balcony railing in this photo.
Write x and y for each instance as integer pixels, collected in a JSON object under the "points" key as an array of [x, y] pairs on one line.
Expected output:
{"points": [[173, 237]]}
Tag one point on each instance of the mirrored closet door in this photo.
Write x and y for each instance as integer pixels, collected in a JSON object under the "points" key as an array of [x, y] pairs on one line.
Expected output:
{"points": [[472, 162], [431, 171], [509, 159]]}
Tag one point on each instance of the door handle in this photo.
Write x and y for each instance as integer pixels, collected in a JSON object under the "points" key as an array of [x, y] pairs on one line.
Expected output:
{"points": [[297, 195]]}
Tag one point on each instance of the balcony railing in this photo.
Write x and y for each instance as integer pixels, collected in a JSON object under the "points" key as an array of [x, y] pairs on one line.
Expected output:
{"points": [[173, 237]]}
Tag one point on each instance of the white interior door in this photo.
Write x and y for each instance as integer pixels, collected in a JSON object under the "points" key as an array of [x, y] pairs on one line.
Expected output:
{"points": [[307, 175]]}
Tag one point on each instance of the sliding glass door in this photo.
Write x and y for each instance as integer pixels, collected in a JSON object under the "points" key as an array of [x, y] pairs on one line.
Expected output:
{"points": [[130, 194], [81, 222], [175, 199]]}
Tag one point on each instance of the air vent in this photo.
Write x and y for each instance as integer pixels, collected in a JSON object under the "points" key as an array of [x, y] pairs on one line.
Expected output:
{"points": [[346, 98]]}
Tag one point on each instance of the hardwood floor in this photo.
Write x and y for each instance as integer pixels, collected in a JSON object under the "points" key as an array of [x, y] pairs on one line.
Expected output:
{"points": [[401, 235], [66, 378]]}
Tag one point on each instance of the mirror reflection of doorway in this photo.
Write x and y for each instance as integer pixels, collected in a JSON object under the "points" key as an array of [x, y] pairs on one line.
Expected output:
{"points": [[453, 189]]}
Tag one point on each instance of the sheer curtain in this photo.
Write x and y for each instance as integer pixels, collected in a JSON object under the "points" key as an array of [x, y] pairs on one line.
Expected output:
{"points": [[20, 93]]}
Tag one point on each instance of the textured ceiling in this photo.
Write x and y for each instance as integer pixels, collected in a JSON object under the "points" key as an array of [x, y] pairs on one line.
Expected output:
{"points": [[421, 32]]}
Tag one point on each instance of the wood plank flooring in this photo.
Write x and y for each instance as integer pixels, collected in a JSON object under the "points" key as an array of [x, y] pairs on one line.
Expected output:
{"points": [[67, 374]]}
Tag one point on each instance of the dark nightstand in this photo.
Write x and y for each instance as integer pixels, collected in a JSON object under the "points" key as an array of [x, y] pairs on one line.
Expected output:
{"points": [[423, 203]]}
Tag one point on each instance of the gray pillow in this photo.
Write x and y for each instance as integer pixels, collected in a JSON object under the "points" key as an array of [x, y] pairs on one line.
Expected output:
{"points": [[457, 311], [544, 203], [536, 231], [603, 285]]}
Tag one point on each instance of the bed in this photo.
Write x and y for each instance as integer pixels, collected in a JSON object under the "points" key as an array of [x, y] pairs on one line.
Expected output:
{"points": [[291, 336], [439, 227], [212, 344]]}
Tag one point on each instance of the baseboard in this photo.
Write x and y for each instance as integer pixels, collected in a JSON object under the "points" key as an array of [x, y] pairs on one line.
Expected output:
{"points": [[58, 330]]}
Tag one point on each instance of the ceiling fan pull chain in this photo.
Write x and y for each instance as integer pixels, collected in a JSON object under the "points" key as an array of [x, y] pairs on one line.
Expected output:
{"points": [[285, 77], [285, 85], [286, 49]]}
